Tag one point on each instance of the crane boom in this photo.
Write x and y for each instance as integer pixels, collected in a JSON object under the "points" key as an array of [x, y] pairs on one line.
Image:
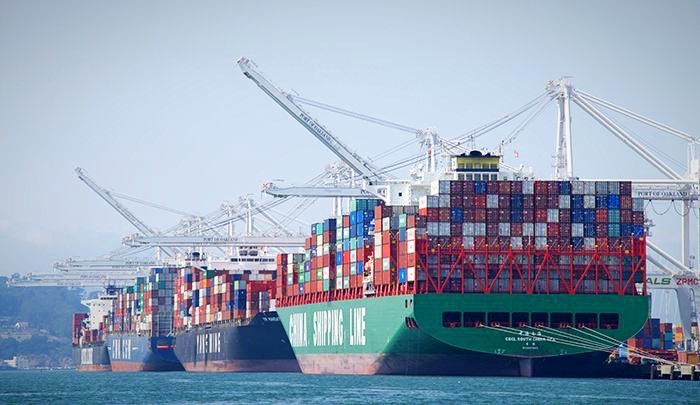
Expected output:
{"points": [[281, 242], [133, 220], [137, 223], [349, 157]]}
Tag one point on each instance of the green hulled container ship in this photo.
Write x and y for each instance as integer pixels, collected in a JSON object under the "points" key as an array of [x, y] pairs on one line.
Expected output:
{"points": [[484, 276]]}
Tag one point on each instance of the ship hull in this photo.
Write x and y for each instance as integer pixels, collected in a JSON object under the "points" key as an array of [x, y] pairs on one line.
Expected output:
{"points": [[92, 358], [133, 353], [405, 334], [260, 346]]}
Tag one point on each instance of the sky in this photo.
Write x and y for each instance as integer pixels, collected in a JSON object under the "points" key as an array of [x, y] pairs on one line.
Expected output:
{"points": [[147, 98]]}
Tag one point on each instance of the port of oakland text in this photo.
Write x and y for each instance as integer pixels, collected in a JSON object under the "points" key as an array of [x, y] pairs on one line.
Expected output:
{"points": [[328, 328]]}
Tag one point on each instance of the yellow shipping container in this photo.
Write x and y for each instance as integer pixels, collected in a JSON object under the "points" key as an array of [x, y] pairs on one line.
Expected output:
{"points": [[678, 337]]}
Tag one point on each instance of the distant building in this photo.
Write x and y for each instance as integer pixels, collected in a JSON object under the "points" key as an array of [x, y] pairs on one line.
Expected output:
{"points": [[18, 362], [22, 325]]}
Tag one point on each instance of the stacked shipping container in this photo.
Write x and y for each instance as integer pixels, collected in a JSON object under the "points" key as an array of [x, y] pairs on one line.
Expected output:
{"points": [[147, 306], [207, 296], [473, 236]]}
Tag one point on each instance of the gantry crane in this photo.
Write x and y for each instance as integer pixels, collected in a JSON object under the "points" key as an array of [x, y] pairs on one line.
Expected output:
{"points": [[676, 187]]}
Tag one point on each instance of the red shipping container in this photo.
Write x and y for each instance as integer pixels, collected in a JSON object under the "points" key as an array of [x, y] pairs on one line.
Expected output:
{"points": [[528, 215], [386, 237], [456, 201], [540, 187], [504, 187], [625, 216], [541, 201], [516, 229], [444, 215], [540, 215], [492, 187], [346, 221], [553, 230], [516, 187], [601, 215], [480, 215], [479, 201]]}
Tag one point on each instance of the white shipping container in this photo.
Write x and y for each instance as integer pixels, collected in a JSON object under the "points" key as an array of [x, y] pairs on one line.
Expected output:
{"points": [[589, 201], [589, 187], [479, 229], [638, 205], [528, 229], [378, 239], [552, 215], [444, 186], [540, 229], [319, 240], [492, 201], [468, 241], [565, 202], [540, 242], [386, 264], [504, 229], [411, 274], [435, 187], [444, 229], [377, 251], [423, 202], [411, 234], [386, 223], [326, 273], [433, 201], [577, 230], [339, 283], [468, 229], [326, 248], [433, 228], [353, 256], [601, 187], [444, 200], [516, 242], [410, 247], [613, 187], [577, 187], [528, 187], [589, 243]]}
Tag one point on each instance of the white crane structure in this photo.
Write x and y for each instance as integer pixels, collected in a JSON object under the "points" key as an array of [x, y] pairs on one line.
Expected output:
{"points": [[674, 187], [79, 280]]}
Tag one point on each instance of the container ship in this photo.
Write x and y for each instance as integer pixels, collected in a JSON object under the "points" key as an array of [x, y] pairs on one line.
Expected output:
{"points": [[139, 330], [485, 276], [226, 322], [88, 334]]}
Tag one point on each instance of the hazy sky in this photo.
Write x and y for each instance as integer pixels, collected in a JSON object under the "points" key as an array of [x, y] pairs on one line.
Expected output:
{"points": [[146, 96]]}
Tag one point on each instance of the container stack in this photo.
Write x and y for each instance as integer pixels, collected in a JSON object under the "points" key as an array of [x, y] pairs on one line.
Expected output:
{"points": [[450, 237], [533, 213], [77, 326], [396, 231], [290, 268], [653, 336], [147, 306], [209, 296]]}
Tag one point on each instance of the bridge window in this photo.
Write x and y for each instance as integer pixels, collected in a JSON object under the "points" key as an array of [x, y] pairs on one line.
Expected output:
{"points": [[587, 321], [540, 319], [521, 319], [499, 319], [609, 321], [451, 319], [562, 320], [474, 319]]}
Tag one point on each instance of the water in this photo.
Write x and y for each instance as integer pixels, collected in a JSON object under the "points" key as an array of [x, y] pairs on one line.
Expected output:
{"points": [[56, 387]]}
